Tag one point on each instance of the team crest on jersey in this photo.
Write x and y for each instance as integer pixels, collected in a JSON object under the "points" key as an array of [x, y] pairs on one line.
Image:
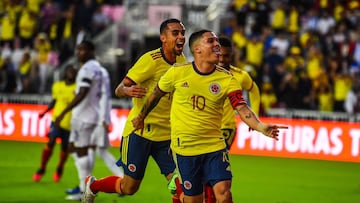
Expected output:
{"points": [[132, 167], [187, 185], [214, 88]]}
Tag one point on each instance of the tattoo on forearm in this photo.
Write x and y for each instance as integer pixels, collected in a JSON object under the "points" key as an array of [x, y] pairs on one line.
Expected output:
{"points": [[152, 101]]}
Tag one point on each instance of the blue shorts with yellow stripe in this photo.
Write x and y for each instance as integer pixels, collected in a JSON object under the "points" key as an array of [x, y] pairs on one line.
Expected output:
{"points": [[196, 171], [135, 151]]}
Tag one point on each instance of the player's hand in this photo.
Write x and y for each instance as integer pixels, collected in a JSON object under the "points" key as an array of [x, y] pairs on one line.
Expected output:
{"points": [[106, 126], [272, 130], [135, 91], [138, 123], [58, 120]]}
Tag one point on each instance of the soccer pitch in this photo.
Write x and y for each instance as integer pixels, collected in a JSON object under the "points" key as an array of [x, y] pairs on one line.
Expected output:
{"points": [[256, 179]]}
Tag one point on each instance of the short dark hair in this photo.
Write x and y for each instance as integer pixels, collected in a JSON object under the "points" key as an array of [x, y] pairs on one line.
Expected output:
{"points": [[165, 23], [225, 42], [88, 45], [195, 36]]}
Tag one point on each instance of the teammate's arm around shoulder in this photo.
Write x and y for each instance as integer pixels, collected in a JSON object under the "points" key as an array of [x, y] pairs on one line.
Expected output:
{"points": [[128, 88]]}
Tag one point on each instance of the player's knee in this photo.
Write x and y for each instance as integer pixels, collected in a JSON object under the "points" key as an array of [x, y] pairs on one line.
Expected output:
{"points": [[130, 190], [224, 197], [129, 187]]}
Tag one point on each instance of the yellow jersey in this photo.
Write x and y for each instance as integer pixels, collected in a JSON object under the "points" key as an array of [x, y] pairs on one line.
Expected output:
{"points": [[63, 94], [146, 72], [197, 107], [246, 83]]}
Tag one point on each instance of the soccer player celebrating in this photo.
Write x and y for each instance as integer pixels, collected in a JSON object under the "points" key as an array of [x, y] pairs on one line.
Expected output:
{"points": [[137, 146], [228, 127], [63, 92], [85, 111], [199, 91]]}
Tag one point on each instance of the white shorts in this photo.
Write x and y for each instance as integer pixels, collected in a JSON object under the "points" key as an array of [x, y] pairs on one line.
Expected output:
{"points": [[81, 133], [100, 137]]}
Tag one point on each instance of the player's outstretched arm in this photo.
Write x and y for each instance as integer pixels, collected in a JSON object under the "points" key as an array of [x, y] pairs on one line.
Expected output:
{"points": [[49, 107], [151, 102], [249, 117], [128, 88]]}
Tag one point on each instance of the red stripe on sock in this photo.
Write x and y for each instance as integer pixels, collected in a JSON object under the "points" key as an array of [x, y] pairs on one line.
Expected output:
{"points": [[107, 185]]}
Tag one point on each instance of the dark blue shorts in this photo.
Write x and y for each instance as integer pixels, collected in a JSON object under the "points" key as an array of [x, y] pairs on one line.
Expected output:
{"points": [[135, 152], [59, 133], [195, 171]]}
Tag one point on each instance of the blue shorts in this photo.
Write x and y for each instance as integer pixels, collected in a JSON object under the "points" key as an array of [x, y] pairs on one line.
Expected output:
{"points": [[195, 171], [58, 133], [135, 152]]}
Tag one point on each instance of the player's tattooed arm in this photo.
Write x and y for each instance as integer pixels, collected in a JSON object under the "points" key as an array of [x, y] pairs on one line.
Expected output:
{"points": [[250, 118], [151, 102]]}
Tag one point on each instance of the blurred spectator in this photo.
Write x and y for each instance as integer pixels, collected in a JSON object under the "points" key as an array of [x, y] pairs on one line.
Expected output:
{"points": [[8, 25], [261, 16], [310, 20], [25, 71], [84, 12], [314, 65], [27, 28], [287, 89], [254, 51], [268, 97], [342, 84], [293, 24], [49, 14], [352, 101], [67, 30], [240, 40], [99, 21], [278, 18], [294, 61], [240, 8], [305, 91], [325, 99], [42, 49], [281, 42], [325, 23], [8, 76], [271, 62]]}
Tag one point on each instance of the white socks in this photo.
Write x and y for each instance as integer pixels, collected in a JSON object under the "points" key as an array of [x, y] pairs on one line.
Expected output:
{"points": [[84, 169], [110, 161]]}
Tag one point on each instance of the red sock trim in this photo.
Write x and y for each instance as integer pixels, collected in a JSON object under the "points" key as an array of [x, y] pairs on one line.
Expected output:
{"points": [[175, 199], [209, 195], [107, 185], [46, 153], [63, 158]]}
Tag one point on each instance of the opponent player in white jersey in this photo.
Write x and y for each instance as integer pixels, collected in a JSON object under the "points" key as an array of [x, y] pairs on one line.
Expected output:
{"points": [[85, 111], [100, 138]]}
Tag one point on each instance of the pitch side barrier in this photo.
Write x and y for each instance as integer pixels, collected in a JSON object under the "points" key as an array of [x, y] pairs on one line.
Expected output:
{"points": [[305, 138]]}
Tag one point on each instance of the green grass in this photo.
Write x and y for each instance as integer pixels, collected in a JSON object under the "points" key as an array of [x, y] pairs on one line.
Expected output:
{"points": [[256, 179]]}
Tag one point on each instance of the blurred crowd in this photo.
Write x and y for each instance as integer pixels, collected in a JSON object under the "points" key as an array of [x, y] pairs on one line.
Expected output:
{"points": [[38, 35], [303, 54]]}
